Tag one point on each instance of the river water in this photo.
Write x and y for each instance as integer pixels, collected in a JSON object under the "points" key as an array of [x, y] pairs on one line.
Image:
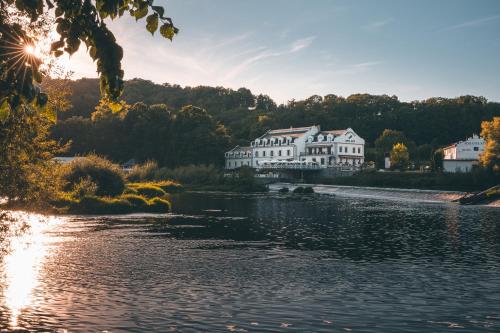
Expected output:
{"points": [[360, 261]]}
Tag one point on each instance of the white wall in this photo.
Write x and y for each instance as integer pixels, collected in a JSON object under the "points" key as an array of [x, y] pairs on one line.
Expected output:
{"points": [[458, 166], [465, 150]]}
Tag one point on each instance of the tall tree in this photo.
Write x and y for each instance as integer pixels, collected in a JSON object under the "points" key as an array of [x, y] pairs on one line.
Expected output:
{"points": [[399, 156], [491, 155]]}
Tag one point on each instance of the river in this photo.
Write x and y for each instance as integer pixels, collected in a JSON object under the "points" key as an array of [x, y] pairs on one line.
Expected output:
{"points": [[360, 260]]}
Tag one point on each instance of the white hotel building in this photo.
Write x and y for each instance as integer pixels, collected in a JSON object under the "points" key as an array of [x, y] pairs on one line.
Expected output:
{"points": [[463, 155], [308, 145]]}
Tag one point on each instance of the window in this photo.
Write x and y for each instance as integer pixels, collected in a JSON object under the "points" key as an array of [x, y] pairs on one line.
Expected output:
{"points": [[322, 161], [476, 148], [288, 152], [264, 153], [279, 152], [353, 150], [340, 149], [272, 153], [256, 154], [229, 164], [314, 159], [359, 150]]}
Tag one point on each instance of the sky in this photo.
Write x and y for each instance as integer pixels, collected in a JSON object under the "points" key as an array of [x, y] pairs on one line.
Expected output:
{"points": [[292, 49]]}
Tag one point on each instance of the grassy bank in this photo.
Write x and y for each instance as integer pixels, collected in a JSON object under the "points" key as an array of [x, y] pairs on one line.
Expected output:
{"points": [[475, 181], [136, 198]]}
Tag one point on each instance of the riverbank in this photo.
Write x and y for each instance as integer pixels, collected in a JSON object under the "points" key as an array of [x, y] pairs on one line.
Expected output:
{"points": [[475, 181], [377, 193]]}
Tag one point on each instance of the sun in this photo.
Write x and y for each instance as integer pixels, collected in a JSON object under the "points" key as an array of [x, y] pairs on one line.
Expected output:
{"points": [[33, 50]]}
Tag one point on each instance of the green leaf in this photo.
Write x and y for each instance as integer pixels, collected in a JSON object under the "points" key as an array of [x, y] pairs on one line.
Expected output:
{"points": [[159, 10], [167, 31], [141, 12], [4, 110], [115, 107], [37, 76], [50, 114], [56, 45], [42, 99], [152, 23]]}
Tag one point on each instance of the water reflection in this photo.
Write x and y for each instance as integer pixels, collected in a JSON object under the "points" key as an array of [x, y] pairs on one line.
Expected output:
{"points": [[24, 247]]}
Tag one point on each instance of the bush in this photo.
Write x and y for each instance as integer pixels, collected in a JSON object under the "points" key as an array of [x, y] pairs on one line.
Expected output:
{"points": [[84, 187], [158, 205], [64, 200], [170, 186], [108, 176], [284, 190], [149, 190], [143, 172], [125, 204], [135, 200], [98, 205], [298, 190], [191, 174], [308, 190]]}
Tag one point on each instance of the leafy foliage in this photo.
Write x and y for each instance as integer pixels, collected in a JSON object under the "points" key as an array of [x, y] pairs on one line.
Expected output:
{"points": [[76, 22], [491, 133], [26, 174], [399, 156], [107, 176], [143, 132], [422, 126], [148, 190]]}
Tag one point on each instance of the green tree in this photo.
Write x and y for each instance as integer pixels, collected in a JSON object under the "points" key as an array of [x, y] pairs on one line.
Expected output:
{"points": [[76, 22], [399, 156], [437, 160], [24, 113], [388, 139], [490, 131], [26, 173]]}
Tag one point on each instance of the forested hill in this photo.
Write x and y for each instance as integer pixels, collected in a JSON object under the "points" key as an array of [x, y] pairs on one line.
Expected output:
{"points": [[435, 121]]}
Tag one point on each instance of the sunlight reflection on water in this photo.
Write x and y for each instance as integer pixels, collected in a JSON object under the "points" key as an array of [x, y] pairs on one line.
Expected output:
{"points": [[25, 245]]}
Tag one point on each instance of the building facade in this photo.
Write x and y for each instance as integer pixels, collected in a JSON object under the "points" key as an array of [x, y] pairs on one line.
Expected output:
{"points": [[304, 145], [463, 155], [281, 144], [238, 157], [337, 147]]}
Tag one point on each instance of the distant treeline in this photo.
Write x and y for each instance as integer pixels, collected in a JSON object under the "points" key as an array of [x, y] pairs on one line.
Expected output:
{"points": [[158, 129]]}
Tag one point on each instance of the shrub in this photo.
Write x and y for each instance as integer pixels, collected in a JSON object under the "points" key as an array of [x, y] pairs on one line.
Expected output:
{"points": [[84, 187], [149, 190], [143, 172], [191, 174], [158, 205], [108, 176], [170, 186], [298, 190], [63, 200], [130, 190], [135, 200], [308, 190], [284, 190], [98, 205]]}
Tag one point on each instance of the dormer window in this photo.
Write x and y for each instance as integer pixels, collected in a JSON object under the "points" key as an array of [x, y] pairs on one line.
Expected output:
{"points": [[310, 139], [320, 138], [329, 137]]}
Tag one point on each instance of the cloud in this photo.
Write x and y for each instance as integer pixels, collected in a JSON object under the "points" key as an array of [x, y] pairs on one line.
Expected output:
{"points": [[358, 68], [472, 23], [378, 24], [294, 47]]}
